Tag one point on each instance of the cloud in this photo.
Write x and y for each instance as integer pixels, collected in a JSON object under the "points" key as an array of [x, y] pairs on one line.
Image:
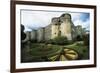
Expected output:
{"points": [[81, 19], [80, 22], [36, 19]]}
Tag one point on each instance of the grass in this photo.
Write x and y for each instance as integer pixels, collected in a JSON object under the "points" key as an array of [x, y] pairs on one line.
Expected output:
{"points": [[40, 51], [82, 50]]}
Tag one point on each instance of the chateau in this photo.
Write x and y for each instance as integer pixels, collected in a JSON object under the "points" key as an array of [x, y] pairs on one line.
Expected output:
{"points": [[59, 26]]}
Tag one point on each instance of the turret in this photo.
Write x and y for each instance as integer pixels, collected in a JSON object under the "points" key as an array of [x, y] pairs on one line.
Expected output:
{"points": [[55, 27], [66, 25]]}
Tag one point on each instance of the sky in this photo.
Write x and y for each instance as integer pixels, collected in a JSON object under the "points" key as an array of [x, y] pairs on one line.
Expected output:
{"points": [[36, 19]]}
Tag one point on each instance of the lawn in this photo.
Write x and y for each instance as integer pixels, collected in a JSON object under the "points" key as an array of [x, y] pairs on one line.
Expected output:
{"points": [[39, 52], [82, 50]]}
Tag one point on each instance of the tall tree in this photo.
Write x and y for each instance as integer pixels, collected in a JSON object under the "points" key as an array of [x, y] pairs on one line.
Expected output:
{"points": [[23, 35]]}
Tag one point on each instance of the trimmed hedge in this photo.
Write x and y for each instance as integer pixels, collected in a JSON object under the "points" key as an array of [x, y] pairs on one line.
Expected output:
{"points": [[61, 40]]}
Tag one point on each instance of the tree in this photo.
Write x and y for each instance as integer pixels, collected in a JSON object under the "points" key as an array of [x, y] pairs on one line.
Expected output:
{"points": [[79, 38], [23, 35], [86, 39]]}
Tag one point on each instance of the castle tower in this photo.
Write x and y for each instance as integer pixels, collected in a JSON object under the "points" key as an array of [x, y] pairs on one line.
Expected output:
{"points": [[59, 26], [66, 25], [55, 27]]}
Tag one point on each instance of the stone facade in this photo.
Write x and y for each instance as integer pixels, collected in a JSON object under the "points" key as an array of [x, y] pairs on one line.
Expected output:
{"points": [[33, 35], [47, 32], [62, 26], [40, 35], [59, 26]]}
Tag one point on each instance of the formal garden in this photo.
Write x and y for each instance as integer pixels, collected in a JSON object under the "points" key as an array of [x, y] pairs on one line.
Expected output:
{"points": [[57, 49]]}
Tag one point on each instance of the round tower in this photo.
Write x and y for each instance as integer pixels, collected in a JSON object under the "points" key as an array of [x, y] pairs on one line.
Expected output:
{"points": [[55, 27], [66, 29]]}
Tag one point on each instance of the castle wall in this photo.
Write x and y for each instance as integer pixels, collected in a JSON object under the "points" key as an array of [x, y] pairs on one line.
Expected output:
{"points": [[62, 25], [47, 32], [74, 33], [55, 31], [55, 27], [66, 29], [33, 35], [40, 34]]}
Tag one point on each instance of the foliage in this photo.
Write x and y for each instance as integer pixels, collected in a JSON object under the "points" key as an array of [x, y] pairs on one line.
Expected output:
{"points": [[23, 35], [41, 50], [79, 38], [82, 50], [49, 41], [60, 40], [86, 39]]}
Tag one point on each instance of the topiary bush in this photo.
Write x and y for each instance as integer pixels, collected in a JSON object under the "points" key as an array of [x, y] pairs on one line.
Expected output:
{"points": [[49, 41], [60, 40]]}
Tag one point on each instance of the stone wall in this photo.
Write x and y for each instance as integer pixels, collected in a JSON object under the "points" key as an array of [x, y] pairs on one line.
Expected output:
{"points": [[59, 26], [33, 35], [40, 34], [55, 27], [63, 26], [47, 32]]}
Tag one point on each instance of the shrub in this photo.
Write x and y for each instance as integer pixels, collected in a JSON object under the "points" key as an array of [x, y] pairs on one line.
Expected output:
{"points": [[86, 39], [42, 41], [61, 40], [33, 41], [23, 35], [49, 41], [79, 38]]}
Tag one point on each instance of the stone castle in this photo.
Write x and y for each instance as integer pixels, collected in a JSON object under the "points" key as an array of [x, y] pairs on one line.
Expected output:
{"points": [[59, 26]]}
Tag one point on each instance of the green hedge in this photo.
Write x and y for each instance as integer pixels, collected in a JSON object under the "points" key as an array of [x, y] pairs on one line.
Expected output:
{"points": [[61, 40]]}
